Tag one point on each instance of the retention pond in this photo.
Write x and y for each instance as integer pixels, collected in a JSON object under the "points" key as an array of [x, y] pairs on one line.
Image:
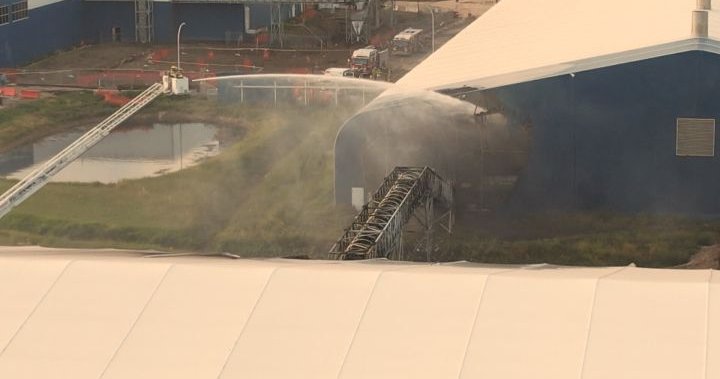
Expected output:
{"points": [[127, 153]]}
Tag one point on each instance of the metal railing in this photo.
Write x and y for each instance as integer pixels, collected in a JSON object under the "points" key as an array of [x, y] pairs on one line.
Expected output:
{"points": [[377, 231], [42, 175]]}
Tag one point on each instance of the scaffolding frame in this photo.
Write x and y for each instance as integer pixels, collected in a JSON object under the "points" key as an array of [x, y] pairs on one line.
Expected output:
{"points": [[277, 27], [144, 25]]}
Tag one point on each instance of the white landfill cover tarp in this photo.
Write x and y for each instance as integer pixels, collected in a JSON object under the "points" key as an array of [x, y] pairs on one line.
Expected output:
{"points": [[23, 283], [209, 308], [647, 326], [713, 364], [539, 318], [113, 314], [303, 325], [417, 324], [76, 329]]}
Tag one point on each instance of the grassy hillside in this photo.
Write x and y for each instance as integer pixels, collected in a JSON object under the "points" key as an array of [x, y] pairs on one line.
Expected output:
{"points": [[32, 120], [270, 194]]}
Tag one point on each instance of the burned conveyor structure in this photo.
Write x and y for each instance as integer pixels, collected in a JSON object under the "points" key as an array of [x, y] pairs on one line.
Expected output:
{"points": [[377, 231]]}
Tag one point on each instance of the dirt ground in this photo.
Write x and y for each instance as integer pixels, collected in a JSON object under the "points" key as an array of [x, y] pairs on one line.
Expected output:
{"points": [[707, 258]]}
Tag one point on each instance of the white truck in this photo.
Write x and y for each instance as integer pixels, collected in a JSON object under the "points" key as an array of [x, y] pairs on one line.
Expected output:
{"points": [[367, 60], [407, 42]]}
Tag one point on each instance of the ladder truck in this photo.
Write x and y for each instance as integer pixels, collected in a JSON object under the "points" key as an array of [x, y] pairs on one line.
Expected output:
{"points": [[365, 61]]}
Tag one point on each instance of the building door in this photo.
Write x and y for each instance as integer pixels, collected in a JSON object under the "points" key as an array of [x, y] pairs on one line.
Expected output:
{"points": [[116, 34]]}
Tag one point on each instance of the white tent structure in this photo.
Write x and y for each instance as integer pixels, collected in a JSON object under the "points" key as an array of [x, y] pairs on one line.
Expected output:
{"points": [[111, 314]]}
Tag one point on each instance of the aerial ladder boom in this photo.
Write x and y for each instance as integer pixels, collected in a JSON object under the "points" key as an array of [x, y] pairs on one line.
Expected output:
{"points": [[40, 176]]}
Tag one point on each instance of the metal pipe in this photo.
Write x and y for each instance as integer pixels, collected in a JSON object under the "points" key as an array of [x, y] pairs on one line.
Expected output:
{"points": [[704, 4], [178, 44], [699, 23], [432, 18]]}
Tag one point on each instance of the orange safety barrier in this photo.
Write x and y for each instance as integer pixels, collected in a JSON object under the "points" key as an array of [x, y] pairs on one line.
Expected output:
{"points": [[112, 97], [160, 54], [29, 94], [8, 91], [117, 100], [262, 38]]}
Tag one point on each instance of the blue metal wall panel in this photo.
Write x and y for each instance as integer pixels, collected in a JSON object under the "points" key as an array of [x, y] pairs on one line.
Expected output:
{"points": [[70, 22], [165, 22], [605, 139], [259, 16], [205, 22], [101, 17], [209, 22], [49, 28]]}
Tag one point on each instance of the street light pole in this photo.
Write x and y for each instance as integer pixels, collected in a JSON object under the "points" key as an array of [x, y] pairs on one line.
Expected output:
{"points": [[432, 17], [178, 44]]}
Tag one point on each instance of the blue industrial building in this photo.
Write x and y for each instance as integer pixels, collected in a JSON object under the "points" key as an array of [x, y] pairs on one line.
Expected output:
{"points": [[30, 29], [596, 105]]}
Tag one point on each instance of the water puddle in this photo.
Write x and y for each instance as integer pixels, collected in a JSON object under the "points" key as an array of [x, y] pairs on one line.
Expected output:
{"points": [[124, 154]]}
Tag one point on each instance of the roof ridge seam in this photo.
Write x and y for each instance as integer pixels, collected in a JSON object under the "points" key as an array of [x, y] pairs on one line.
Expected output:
{"points": [[40, 301], [249, 318], [362, 316], [590, 318], [707, 324], [137, 318], [707, 44], [477, 314]]}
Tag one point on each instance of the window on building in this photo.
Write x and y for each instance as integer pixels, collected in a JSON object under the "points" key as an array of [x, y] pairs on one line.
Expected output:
{"points": [[19, 10], [695, 137], [4, 14]]}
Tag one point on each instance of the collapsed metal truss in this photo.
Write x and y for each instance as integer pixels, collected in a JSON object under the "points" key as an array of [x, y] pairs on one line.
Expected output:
{"points": [[377, 231]]}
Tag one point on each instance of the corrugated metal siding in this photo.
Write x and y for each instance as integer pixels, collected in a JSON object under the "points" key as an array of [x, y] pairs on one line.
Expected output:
{"points": [[209, 22], [100, 18], [606, 139], [603, 139], [49, 28], [63, 24]]}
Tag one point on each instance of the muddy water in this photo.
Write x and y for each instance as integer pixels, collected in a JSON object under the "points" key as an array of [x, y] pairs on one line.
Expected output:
{"points": [[124, 154]]}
